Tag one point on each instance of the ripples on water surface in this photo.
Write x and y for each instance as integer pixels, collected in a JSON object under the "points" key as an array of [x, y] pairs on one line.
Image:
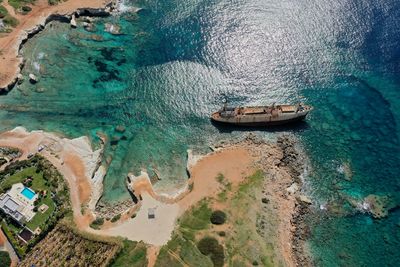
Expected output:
{"points": [[175, 61]]}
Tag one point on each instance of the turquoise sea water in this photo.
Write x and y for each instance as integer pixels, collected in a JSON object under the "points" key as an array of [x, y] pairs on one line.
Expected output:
{"points": [[176, 60]]}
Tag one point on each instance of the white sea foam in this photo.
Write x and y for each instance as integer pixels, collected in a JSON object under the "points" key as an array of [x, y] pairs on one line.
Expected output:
{"points": [[123, 7], [41, 55], [36, 66]]}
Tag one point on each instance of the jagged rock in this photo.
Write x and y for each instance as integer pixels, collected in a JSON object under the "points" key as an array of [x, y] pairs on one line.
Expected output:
{"points": [[112, 28], [305, 199], [378, 206], [265, 200], [293, 188], [20, 78], [33, 78], [88, 26], [120, 129], [73, 22], [96, 37]]}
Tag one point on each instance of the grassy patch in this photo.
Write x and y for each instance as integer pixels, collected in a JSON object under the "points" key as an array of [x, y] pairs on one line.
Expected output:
{"points": [[19, 177], [132, 254], [181, 252], [227, 186], [16, 4], [198, 218], [3, 12], [246, 245], [41, 218]]}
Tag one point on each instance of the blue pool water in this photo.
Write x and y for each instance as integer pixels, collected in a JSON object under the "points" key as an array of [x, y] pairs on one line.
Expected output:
{"points": [[28, 193], [175, 62]]}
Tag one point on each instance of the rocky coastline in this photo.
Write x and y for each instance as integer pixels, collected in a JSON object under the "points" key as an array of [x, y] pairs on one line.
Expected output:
{"points": [[105, 11], [282, 192], [294, 161]]}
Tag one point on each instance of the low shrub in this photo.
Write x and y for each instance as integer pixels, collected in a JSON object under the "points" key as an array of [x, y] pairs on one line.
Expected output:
{"points": [[218, 217], [5, 258], [209, 246], [26, 9], [3, 12], [97, 223], [116, 218]]}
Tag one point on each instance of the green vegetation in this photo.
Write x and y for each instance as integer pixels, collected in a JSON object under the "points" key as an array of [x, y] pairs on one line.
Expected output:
{"points": [[68, 247], [39, 185], [42, 177], [53, 2], [17, 4], [227, 186], [198, 218], [209, 246], [218, 217], [41, 218], [181, 250], [96, 224], [220, 178], [247, 246], [116, 218], [132, 254], [5, 259], [7, 19], [3, 12]]}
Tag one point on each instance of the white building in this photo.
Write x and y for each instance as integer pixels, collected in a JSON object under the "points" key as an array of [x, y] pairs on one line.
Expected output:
{"points": [[18, 202]]}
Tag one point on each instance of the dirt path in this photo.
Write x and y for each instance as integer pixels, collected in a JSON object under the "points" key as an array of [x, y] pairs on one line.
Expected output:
{"points": [[9, 43]]}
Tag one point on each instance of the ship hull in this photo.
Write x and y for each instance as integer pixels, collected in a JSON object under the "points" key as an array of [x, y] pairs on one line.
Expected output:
{"points": [[260, 123]]}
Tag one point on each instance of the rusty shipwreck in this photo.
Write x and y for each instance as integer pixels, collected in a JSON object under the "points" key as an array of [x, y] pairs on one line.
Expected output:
{"points": [[261, 115]]}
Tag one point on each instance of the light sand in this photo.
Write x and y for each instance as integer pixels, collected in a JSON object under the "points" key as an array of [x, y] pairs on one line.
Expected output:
{"points": [[234, 163], [155, 231], [9, 43]]}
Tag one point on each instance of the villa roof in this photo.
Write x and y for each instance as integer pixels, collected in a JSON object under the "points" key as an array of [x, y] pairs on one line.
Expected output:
{"points": [[10, 207]]}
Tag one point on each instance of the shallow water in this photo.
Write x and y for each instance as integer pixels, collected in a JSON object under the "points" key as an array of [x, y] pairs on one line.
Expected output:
{"points": [[176, 60]]}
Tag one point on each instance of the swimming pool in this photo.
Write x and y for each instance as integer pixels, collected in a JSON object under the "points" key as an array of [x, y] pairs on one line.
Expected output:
{"points": [[28, 193]]}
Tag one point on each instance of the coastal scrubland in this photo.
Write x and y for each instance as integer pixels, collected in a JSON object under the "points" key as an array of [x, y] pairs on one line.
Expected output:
{"points": [[221, 231]]}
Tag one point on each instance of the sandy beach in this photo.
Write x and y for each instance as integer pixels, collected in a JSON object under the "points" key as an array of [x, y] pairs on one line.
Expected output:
{"points": [[10, 42]]}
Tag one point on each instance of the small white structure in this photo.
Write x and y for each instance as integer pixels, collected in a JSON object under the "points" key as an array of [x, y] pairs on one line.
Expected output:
{"points": [[18, 202]]}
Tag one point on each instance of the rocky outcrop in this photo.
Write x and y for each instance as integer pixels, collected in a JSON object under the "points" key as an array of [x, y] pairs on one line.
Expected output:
{"points": [[33, 78], [73, 21], [112, 28], [97, 187], [108, 211], [379, 206]]}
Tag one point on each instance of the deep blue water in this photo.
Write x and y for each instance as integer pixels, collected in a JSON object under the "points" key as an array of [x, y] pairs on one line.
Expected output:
{"points": [[177, 59]]}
